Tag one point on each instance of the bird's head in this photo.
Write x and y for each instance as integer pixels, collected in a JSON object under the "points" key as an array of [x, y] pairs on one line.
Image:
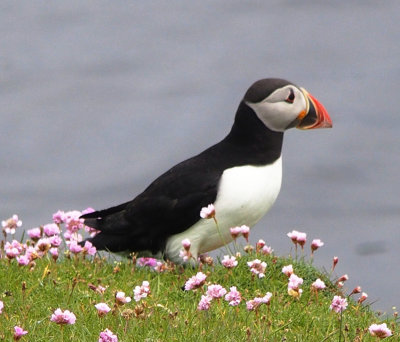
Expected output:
{"points": [[281, 105]]}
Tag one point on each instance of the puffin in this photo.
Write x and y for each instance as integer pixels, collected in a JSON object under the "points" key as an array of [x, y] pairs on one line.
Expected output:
{"points": [[240, 176]]}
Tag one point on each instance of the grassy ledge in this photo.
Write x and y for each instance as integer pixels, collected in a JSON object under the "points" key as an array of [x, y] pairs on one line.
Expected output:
{"points": [[77, 282]]}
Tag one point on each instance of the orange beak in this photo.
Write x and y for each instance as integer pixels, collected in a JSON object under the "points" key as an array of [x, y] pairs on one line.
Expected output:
{"points": [[315, 115]]}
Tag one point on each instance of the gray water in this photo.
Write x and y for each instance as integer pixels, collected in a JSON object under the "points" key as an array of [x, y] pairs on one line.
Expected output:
{"points": [[99, 99]]}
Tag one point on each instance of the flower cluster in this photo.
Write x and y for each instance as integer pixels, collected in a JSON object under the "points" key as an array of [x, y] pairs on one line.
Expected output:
{"points": [[257, 267], [196, 281], [141, 291], [63, 317], [257, 301], [242, 230], [10, 225]]}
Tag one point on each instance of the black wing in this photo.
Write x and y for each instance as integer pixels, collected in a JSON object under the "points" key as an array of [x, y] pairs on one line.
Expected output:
{"points": [[170, 205]]}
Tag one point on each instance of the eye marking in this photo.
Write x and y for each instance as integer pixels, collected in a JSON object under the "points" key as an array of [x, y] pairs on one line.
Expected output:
{"points": [[291, 97]]}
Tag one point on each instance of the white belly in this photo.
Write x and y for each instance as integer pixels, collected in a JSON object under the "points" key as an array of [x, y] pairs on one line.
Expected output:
{"points": [[246, 193]]}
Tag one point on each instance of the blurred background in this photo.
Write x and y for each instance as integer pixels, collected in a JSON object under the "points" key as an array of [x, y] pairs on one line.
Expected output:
{"points": [[98, 100]]}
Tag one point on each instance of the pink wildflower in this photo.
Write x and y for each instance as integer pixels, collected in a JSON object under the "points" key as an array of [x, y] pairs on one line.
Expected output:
{"points": [[260, 244], [257, 267], [102, 309], [245, 232], [141, 291], [35, 233], [257, 301], [267, 250], [294, 286], [229, 261], [363, 297], [42, 246], [1, 307], [233, 296], [75, 248], [205, 303], [88, 211], [215, 291], [108, 336], [11, 250], [196, 281], [343, 278], [315, 244], [297, 237], [11, 224], [142, 262], [19, 332], [235, 232], [380, 330], [121, 299], [58, 217], [54, 253], [185, 255], [357, 289], [334, 263], [207, 212], [63, 317], [287, 270], [72, 236], [318, 285], [23, 260], [73, 221], [338, 304], [186, 244], [55, 240], [51, 229], [88, 248]]}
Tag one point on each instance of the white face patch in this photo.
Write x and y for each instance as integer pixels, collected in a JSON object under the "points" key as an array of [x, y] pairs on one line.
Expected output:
{"points": [[277, 111]]}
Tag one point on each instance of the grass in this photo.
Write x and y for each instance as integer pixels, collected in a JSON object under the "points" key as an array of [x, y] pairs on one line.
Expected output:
{"points": [[31, 294]]}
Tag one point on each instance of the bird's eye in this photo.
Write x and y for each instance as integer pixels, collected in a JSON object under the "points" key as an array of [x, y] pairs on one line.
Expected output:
{"points": [[290, 98]]}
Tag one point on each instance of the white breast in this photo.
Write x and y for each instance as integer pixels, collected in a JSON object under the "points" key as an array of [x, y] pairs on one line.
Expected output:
{"points": [[245, 195]]}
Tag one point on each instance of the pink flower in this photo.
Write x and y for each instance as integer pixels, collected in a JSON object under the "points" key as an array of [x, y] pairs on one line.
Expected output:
{"points": [[88, 211], [54, 253], [51, 229], [257, 301], [19, 332], [380, 330], [142, 262], [1, 307], [108, 336], [318, 285], [12, 250], [42, 246], [288, 270], [297, 237], [55, 240], [344, 277], [102, 309], [315, 244], [338, 304], [205, 303], [207, 212], [75, 248], [215, 291], [196, 281], [267, 250], [233, 296], [235, 232], [357, 289], [229, 261], [72, 236], [186, 244], [58, 217], [294, 286], [11, 224], [245, 232], [73, 221], [88, 248], [363, 297], [185, 255], [260, 244], [35, 233], [257, 267], [121, 299], [334, 263], [63, 317], [23, 260], [141, 291]]}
